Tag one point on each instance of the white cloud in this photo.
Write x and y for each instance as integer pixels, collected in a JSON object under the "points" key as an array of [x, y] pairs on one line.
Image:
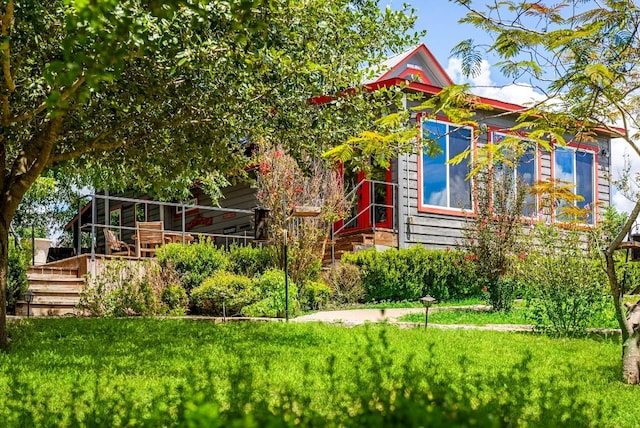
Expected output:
{"points": [[522, 94], [484, 86]]}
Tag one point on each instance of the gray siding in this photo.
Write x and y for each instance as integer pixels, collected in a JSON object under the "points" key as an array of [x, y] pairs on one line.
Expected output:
{"points": [[435, 230]]}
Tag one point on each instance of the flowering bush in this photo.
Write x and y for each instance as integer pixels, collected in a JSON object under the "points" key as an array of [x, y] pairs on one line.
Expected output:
{"points": [[284, 184], [493, 237]]}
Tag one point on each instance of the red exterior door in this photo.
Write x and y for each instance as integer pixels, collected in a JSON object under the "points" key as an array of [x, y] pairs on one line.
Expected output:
{"points": [[373, 200]]}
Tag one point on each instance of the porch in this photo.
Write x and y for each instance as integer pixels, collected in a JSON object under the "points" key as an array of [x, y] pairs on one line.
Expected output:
{"points": [[57, 281]]}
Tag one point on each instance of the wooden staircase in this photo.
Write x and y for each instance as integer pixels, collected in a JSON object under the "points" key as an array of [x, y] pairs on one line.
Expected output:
{"points": [[56, 291], [348, 242]]}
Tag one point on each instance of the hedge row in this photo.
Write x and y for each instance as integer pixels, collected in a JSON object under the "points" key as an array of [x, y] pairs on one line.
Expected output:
{"points": [[409, 274]]}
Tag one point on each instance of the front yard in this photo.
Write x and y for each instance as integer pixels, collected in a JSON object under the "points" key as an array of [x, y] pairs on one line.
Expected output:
{"points": [[152, 372]]}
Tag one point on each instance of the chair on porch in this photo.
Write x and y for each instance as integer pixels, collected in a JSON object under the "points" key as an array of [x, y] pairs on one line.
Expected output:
{"points": [[116, 247], [149, 235]]}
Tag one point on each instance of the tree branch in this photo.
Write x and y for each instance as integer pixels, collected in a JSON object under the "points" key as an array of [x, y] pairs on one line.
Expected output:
{"points": [[66, 94], [7, 20]]}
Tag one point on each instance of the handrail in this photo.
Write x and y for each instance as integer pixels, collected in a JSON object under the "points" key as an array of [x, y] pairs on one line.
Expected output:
{"points": [[369, 208], [95, 225]]}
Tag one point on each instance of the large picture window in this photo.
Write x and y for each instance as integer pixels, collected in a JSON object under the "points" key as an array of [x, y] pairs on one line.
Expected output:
{"points": [[444, 185], [525, 170], [578, 168]]}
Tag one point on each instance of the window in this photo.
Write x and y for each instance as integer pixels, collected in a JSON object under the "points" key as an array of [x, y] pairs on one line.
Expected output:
{"points": [[115, 221], [525, 171], [578, 168], [141, 212], [443, 185], [188, 209]]}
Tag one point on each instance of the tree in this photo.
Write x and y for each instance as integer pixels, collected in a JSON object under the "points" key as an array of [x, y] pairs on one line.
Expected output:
{"points": [[154, 94], [283, 185], [586, 62]]}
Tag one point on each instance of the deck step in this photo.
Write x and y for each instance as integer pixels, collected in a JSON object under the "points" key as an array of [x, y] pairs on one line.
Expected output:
{"points": [[56, 291], [53, 270], [47, 310]]}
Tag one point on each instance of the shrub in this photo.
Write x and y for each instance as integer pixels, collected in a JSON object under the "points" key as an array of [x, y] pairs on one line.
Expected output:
{"points": [[565, 287], [124, 288], [345, 282], [249, 261], [493, 235], [315, 295], [175, 298], [193, 263], [271, 288], [17, 275], [409, 274], [237, 292]]}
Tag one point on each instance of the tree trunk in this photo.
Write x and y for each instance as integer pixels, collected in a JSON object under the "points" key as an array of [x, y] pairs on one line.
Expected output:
{"points": [[631, 359], [4, 270]]}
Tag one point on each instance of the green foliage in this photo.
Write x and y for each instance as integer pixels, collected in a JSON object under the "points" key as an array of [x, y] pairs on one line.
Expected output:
{"points": [[146, 372], [153, 96], [174, 296], [249, 261], [235, 290], [470, 316], [124, 288], [345, 282], [19, 260], [409, 274], [48, 205], [270, 287], [194, 262], [315, 295], [492, 237], [566, 287]]}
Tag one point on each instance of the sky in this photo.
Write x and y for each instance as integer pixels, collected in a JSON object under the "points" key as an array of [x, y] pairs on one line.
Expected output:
{"points": [[440, 19]]}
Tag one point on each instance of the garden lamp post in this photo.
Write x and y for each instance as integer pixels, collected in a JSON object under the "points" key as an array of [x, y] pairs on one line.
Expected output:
{"points": [[427, 301], [28, 297], [224, 306]]}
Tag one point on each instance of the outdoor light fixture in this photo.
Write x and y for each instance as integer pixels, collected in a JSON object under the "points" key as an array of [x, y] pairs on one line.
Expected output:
{"points": [[28, 297], [224, 307], [427, 301]]}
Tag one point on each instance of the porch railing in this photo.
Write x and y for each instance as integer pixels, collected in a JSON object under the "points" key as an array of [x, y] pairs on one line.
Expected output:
{"points": [[94, 227], [369, 211]]}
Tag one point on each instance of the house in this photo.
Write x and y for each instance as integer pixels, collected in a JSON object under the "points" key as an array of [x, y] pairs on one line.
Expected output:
{"points": [[418, 200]]}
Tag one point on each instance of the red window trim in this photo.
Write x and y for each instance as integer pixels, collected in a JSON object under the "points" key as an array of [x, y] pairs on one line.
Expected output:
{"points": [[431, 209]]}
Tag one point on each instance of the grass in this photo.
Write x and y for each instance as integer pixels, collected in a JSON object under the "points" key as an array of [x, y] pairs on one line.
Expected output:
{"points": [[147, 372], [470, 316], [520, 314]]}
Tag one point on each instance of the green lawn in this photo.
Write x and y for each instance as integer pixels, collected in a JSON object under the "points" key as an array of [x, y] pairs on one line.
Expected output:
{"points": [[470, 316], [145, 372], [519, 315]]}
